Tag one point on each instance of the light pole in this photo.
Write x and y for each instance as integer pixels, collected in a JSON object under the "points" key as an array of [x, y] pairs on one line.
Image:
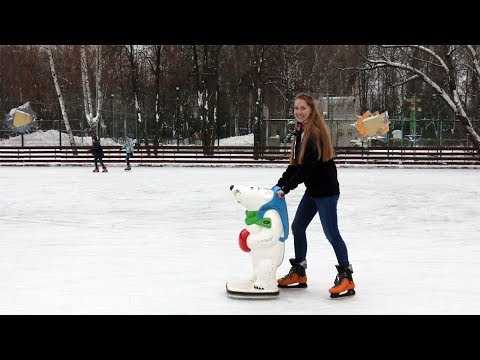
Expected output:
{"points": [[59, 129], [177, 89], [414, 108], [113, 116], [59, 132], [413, 129]]}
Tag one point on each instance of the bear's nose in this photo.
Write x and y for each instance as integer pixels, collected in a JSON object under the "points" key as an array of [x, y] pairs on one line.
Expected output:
{"points": [[231, 187]]}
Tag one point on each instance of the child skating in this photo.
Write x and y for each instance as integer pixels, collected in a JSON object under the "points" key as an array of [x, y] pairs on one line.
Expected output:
{"points": [[129, 146]]}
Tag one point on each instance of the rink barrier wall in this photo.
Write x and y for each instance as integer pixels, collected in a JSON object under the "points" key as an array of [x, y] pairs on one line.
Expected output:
{"points": [[226, 155]]}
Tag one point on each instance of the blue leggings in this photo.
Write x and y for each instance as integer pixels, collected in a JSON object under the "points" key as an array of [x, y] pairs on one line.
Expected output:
{"points": [[127, 158], [327, 209]]}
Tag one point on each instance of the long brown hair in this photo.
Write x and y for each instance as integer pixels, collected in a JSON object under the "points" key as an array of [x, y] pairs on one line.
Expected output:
{"points": [[316, 129]]}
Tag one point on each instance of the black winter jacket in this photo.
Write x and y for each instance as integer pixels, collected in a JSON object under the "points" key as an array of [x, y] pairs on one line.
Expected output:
{"points": [[97, 150], [320, 177]]}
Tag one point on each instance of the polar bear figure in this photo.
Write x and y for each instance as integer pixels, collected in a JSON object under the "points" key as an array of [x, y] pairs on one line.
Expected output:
{"points": [[266, 229]]}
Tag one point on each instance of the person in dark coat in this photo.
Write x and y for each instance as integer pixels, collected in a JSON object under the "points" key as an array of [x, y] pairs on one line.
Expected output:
{"points": [[97, 152]]}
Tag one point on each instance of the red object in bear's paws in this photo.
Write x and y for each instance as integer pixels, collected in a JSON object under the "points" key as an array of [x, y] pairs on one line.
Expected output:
{"points": [[242, 240]]}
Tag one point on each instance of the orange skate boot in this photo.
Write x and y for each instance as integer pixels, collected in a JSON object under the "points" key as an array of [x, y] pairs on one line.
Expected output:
{"points": [[343, 284], [296, 277]]}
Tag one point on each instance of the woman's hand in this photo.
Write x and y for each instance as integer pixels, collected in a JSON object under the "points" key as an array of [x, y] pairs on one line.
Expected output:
{"points": [[281, 194]]}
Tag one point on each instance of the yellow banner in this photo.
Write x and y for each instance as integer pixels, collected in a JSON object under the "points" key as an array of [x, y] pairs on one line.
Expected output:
{"points": [[21, 118]]}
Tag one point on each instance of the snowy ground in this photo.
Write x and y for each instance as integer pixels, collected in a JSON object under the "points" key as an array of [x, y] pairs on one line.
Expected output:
{"points": [[164, 241], [52, 138]]}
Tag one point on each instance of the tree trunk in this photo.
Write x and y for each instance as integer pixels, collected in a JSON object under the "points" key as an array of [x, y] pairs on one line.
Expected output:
{"points": [[60, 100]]}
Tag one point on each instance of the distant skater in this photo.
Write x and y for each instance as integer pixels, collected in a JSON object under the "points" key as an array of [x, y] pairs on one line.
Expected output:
{"points": [[129, 146], [97, 152]]}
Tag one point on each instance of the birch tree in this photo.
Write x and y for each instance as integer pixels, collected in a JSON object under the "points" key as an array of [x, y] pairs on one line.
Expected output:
{"points": [[92, 114], [443, 68], [60, 99]]}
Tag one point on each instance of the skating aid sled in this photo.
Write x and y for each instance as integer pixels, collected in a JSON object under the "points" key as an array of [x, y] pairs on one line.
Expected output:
{"points": [[266, 229], [244, 289]]}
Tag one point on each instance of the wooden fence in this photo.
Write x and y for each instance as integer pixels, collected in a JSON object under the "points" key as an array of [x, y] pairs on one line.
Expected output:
{"points": [[247, 155]]}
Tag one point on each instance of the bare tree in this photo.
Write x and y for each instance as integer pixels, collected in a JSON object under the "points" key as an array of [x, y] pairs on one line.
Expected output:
{"points": [[443, 68], [135, 58], [257, 78], [206, 73], [60, 98], [287, 76], [155, 56], [157, 71]]}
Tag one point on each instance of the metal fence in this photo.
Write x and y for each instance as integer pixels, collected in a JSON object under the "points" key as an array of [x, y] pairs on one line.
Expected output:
{"points": [[428, 133]]}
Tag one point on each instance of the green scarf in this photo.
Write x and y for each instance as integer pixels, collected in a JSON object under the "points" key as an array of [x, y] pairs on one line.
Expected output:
{"points": [[252, 218]]}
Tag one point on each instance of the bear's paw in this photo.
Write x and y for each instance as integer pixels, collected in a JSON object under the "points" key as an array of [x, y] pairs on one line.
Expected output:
{"points": [[242, 240]]}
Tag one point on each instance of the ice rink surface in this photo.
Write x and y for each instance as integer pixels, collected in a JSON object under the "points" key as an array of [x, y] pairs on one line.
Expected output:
{"points": [[163, 240]]}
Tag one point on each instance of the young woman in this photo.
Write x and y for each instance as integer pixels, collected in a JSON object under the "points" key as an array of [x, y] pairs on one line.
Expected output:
{"points": [[311, 163]]}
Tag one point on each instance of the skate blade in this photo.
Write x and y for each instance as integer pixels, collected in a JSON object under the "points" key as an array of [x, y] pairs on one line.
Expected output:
{"points": [[296, 286], [350, 292]]}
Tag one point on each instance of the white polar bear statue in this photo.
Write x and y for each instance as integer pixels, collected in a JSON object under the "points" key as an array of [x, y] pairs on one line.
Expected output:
{"points": [[266, 229]]}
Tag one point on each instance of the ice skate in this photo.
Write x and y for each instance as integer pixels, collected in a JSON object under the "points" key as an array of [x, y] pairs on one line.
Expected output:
{"points": [[104, 169], [95, 170], [128, 167], [343, 284], [296, 277]]}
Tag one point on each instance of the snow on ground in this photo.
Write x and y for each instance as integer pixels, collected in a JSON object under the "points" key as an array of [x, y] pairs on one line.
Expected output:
{"points": [[52, 138], [245, 140]]}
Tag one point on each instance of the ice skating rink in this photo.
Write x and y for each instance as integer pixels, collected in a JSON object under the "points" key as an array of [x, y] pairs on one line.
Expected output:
{"points": [[163, 240]]}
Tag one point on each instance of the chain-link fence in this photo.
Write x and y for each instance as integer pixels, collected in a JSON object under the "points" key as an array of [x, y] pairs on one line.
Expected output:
{"points": [[423, 133]]}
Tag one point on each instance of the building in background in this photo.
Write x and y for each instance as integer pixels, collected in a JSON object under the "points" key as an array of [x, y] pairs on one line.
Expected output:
{"points": [[339, 112]]}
